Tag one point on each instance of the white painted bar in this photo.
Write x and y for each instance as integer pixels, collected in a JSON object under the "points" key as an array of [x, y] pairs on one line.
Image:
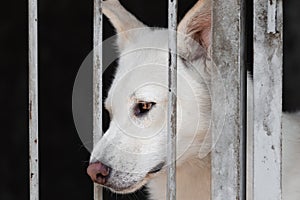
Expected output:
{"points": [[97, 83], [33, 100], [272, 6], [228, 162], [172, 100], [267, 80]]}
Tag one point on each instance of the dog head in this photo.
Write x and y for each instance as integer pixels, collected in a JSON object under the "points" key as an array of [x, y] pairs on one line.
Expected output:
{"points": [[133, 149]]}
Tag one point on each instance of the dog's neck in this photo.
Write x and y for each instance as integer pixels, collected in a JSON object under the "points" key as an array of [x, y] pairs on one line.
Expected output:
{"points": [[193, 181]]}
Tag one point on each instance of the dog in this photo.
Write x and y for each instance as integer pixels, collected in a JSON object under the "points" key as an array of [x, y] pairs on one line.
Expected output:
{"points": [[132, 152]]}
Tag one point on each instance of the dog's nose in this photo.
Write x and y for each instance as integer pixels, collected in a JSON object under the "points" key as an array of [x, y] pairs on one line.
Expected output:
{"points": [[98, 172]]}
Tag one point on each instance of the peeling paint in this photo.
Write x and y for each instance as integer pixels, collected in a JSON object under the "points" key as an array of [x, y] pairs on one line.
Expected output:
{"points": [[30, 110], [267, 82]]}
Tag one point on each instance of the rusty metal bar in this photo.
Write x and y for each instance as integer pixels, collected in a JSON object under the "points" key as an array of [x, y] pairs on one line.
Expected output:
{"points": [[33, 100], [267, 82], [228, 101], [97, 83], [172, 100]]}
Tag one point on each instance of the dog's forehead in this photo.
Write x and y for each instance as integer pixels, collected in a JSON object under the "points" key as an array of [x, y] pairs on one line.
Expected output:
{"points": [[152, 58], [149, 47], [143, 82], [142, 68], [150, 92]]}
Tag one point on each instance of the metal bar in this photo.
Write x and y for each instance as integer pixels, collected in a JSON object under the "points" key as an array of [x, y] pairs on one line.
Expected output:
{"points": [[267, 82], [271, 16], [243, 101], [172, 100], [228, 96], [97, 83], [33, 100]]}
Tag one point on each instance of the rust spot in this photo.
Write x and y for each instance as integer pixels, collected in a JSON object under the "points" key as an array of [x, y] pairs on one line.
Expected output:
{"points": [[30, 110], [35, 141], [170, 58], [272, 147], [266, 128]]}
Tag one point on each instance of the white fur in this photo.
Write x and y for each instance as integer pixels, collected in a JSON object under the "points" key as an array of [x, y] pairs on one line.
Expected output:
{"points": [[133, 146]]}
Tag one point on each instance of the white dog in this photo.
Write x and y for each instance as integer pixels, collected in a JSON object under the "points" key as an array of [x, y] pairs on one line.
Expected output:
{"points": [[132, 152]]}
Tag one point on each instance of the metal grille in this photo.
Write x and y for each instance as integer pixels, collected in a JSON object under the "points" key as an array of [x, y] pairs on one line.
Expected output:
{"points": [[97, 83], [172, 100], [33, 100], [228, 167], [228, 156], [267, 83]]}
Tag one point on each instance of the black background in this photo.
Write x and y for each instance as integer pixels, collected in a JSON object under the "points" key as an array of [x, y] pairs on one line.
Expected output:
{"points": [[65, 38]]}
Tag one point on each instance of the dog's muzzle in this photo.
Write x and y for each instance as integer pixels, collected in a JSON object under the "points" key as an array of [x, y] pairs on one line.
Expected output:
{"points": [[157, 168], [120, 181]]}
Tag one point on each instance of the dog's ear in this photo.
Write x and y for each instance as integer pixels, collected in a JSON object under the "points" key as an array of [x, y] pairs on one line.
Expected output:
{"points": [[196, 27], [122, 20]]}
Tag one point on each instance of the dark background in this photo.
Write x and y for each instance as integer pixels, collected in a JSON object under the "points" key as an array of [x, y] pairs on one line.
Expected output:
{"points": [[65, 39]]}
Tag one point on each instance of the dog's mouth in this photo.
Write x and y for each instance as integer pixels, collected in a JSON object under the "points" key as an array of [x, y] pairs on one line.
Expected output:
{"points": [[157, 168], [129, 189]]}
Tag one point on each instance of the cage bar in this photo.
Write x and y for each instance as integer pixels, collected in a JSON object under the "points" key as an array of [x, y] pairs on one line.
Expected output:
{"points": [[267, 82], [172, 100], [272, 7], [97, 83], [33, 100], [227, 90]]}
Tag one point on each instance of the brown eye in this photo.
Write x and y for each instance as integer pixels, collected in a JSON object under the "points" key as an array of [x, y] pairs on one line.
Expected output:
{"points": [[142, 108]]}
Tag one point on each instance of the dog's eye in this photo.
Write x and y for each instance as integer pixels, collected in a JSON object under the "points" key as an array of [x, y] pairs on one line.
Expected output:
{"points": [[143, 107]]}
